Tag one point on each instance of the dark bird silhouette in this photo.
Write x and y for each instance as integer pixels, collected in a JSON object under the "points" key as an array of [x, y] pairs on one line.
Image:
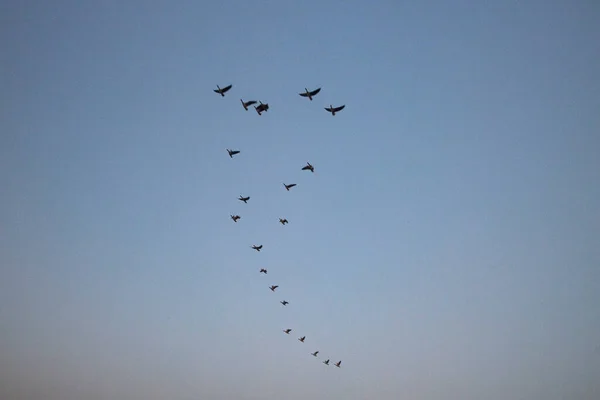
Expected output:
{"points": [[333, 110], [235, 218], [247, 104], [261, 108], [302, 339], [273, 287], [337, 364], [257, 248], [222, 91], [308, 167], [264, 271], [310, 94], [283, 221], [288, 187], [287, 331], [233, 152], [244, 199], [315, 353], [285, 303], [326, 362]]}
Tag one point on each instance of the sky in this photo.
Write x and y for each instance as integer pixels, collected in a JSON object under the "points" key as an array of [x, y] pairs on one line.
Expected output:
{"points": [[445, 247]]}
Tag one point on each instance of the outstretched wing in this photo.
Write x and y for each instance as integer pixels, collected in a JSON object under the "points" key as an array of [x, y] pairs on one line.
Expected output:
{"points": [[340, 108], [304, 94], [226, 88], [249, 103], [314, 92]]}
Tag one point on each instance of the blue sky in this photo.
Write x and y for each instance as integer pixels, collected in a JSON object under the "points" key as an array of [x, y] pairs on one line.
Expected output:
{"points": [[445, 247]]}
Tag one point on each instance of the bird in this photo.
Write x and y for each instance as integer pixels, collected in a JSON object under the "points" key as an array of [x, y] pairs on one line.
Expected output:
{"points": [[326, 362], [310, 94], [262, 270], [288, 187], [283, 221], [285, 303], [235, 218], [257, 248], [315, 353], [223, 90], [337, 364], [308, 167], [261, 108], [287, 331], [302, 339], [233, 152], [244, 199], [333, 110], [246, 104], [273, 287]]}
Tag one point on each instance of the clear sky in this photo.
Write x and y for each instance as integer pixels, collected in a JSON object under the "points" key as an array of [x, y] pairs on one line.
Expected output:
{"points": [[446, 247]]}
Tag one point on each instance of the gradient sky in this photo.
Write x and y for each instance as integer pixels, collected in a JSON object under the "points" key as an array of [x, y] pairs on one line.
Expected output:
{"points": [[446, 247]]}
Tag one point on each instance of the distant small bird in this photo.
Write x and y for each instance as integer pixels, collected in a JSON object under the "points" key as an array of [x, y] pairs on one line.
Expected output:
{"points": [[308, 167], [232, 153], [283, 221], [257, 248], [285, 303], [333, 110], [246, 104], [315, 353], [273, 287], [235, 218], [244, 199], [262, 270], [288, 187], [337, 364], [222, 91], [302, 339], [261, 108], [326, 362], [287, 331], [310, 94]]}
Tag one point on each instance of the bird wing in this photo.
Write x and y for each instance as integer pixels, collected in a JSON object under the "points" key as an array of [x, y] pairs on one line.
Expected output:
{"points": [[249, 103], [340, 108], [226, 88], [304, 94], [314, 92]]}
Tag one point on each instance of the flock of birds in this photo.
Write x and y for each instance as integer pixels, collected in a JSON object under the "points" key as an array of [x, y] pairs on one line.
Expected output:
{"points": [[260, 108]]}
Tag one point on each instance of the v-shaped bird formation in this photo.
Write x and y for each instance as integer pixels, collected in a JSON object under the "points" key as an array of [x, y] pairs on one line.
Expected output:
{"points": [[260, 108]]}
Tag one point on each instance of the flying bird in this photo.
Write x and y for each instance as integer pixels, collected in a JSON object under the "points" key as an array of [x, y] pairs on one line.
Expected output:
{"points": [[283, 221], [308, 167], [246, 104], [261, 108], [257, 248], [262, 270], [302, 339], [233, 152], [287, 331], [273, 287], [288, 187], [333, 110], [285, 303], [337, 364], [326, 362], [310, 94], [244, 199], [235, 218], [315, 353], [223, 90]]}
